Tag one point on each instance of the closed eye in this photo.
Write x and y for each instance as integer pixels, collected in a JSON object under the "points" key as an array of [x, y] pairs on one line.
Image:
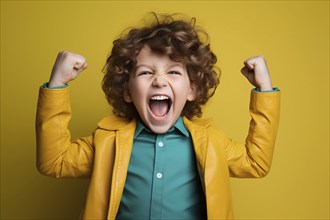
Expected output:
{"points": [[174, 73], [144, 73]]}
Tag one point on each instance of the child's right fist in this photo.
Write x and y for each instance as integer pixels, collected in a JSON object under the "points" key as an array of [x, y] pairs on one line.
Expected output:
{"points": [[66, 68]]}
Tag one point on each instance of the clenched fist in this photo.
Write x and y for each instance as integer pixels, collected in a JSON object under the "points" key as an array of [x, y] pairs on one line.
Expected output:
{"points": [[66, 68], [256, 71]]}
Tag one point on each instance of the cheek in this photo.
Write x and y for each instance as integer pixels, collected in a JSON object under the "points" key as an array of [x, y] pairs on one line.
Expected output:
{"points": [[185, 88], [137, 90], [183, 92]]}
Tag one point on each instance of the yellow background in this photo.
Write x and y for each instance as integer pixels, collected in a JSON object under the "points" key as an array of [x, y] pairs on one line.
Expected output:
{"points": [[293, 36]]}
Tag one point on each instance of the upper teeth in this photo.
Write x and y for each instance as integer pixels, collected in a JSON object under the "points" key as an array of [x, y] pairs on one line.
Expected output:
{"points": [[159, 97]]}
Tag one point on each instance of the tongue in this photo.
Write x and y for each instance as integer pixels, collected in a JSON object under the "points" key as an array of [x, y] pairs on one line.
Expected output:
{"points": [[159, 108]]}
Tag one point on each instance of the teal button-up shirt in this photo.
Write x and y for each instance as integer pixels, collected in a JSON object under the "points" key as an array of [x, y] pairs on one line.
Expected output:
{"points": [[162, 179]]}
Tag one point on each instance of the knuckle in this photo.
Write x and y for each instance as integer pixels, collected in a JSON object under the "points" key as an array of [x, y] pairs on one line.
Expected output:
{"points": [[261, 57], [63, 52]]}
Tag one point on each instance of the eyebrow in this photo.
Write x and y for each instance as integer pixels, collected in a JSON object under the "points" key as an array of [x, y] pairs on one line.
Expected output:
{"points": [[169, 66], [142, 65]]}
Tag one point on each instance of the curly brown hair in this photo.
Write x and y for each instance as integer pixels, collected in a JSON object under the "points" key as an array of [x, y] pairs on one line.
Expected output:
{"points": [[182, 42]]}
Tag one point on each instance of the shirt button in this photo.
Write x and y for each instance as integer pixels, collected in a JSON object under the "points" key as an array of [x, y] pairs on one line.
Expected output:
{"points": [[160, 144], [159, 175]]}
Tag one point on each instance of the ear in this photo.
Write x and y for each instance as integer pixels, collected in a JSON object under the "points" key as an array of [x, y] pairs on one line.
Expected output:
{"points": [[192, 92], [127, 97]]}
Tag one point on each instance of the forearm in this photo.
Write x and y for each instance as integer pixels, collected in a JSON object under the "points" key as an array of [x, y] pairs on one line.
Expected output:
{"points": [[260, 142]]}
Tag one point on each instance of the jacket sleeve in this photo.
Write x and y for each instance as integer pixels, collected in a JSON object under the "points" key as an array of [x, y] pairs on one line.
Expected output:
{"points": [[254, 158], [57, 155]]}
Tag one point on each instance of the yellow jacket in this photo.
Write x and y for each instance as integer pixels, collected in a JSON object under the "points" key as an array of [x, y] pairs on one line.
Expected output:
{"points": [[104, 156]]}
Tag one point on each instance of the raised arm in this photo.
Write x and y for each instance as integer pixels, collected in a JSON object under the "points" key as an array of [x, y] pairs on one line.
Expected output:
{"points": [[254, 158], [57, 155]]}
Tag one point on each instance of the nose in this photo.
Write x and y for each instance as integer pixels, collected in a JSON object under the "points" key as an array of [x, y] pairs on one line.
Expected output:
{"points": [[159, 81]]}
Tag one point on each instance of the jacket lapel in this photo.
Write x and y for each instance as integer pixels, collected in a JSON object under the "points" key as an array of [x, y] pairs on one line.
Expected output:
{"points": [[199, 137], [124, 144]]}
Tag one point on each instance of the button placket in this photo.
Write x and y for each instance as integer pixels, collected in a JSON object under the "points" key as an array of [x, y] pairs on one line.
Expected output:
{"points": [[159, 157], [158, 178]]}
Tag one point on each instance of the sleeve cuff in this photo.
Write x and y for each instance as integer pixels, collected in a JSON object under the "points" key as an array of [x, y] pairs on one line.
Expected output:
{"points": [[45, 86], [273, 90]]}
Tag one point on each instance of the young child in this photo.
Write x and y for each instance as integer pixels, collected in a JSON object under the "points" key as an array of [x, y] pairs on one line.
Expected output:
{"points": [[155, 158]]}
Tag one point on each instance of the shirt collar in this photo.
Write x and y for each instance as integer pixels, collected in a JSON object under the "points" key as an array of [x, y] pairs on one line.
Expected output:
{"points": [[179, 125]]}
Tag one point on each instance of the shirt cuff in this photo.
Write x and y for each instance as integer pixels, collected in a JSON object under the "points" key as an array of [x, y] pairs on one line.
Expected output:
{"points": [[275, 89], [45, 85]]}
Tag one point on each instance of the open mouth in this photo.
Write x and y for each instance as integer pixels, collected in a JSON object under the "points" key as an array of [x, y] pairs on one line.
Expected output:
{"points": [[160, 105]]}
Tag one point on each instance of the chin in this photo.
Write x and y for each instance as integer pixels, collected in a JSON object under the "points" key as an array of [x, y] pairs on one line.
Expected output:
{"points": [[160, 129]]}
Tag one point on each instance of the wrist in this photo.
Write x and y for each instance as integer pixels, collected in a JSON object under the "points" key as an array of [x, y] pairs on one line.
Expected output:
{"points": [[55, 84], [265, 87]]}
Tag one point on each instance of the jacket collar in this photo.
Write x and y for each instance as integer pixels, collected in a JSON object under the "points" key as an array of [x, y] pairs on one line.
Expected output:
{"points": [[115, 123]]}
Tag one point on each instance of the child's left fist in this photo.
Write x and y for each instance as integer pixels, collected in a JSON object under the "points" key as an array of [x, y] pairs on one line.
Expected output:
{"points": [[256, 71]]}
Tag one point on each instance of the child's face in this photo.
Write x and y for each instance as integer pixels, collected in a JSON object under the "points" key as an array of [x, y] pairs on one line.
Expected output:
{"points": [[159, 88]]}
